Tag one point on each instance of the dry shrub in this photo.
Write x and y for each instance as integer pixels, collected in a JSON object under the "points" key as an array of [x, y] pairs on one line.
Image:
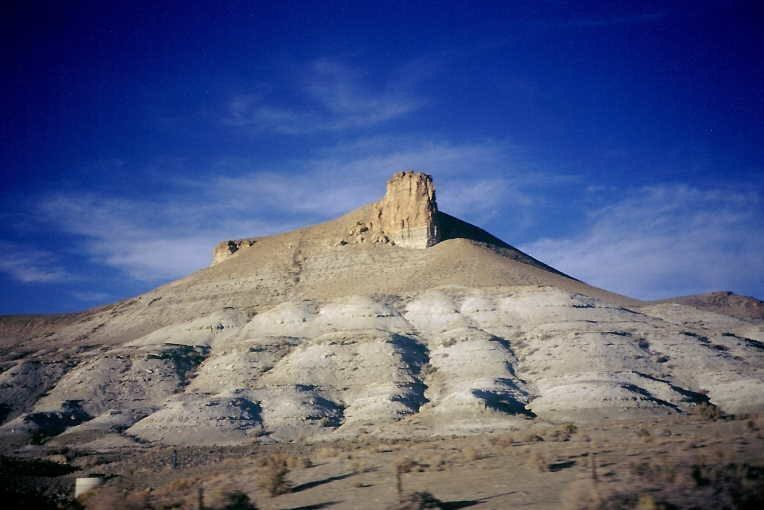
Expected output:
{"points": [[503, 441], [109, 498], [450, 342], [654, 486], [298, 462], [272, 473], [326, 452], [570, 428], [439, 462], [708, 411], [402, 466], [581, 495], [533, 438], [181, 485], [359, 465], [538, 460], [406, 465], [470, 454], [564, 432], [589, 495], [755, 422], [418, 501], [428, 370], [237, 500], [655, 473]]}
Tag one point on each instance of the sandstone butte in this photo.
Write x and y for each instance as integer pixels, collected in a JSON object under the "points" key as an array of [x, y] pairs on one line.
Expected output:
{"points": [[395, 319]]}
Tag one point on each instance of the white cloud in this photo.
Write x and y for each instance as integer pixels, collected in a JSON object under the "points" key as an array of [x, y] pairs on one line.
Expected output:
{"points": [[30, 265], [473, 180], [170, 235], [665, 241], [149, 239], [334, 96]]}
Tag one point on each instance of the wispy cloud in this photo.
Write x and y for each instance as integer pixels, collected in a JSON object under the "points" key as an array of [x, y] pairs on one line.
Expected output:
{"points": [[665, 241], [148, 239], [170, 235], [30, 265], [331, 96], [652, 242]]}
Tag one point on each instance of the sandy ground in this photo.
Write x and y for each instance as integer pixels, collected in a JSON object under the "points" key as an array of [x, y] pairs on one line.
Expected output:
{"points": [[535, 469]]}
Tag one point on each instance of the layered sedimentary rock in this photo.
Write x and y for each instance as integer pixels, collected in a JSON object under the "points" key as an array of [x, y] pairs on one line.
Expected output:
{"points": [[342, 328], [407, 216], [408, 212]]}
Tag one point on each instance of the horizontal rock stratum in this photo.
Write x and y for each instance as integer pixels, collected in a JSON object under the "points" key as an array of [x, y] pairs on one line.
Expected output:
{"points": [[395, 319]]}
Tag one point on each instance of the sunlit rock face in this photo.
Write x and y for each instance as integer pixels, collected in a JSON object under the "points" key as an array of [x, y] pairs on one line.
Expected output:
{"points": [[406, 216], [407, 213], [224, 249]]}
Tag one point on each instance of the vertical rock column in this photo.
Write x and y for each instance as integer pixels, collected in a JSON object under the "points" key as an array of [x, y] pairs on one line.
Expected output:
{"points": [[407, 213]]}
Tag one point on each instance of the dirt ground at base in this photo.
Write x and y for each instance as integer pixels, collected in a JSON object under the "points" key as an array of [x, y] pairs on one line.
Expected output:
{"points": [[539, 468]]}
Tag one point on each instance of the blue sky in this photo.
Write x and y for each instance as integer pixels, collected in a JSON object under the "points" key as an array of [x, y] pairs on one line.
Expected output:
{"points": [[620, 142]]}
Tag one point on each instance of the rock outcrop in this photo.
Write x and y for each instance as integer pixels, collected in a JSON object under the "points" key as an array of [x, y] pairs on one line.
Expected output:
{"points": [[224, 249], [407, 215]]}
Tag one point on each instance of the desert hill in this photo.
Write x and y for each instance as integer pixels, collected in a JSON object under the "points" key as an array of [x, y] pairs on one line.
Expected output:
{"points": [[395, 319], [724, 302]]}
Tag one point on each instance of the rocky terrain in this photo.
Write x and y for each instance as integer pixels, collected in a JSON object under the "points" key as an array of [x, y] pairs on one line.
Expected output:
{"points": [[394, 321], [725, 303]]}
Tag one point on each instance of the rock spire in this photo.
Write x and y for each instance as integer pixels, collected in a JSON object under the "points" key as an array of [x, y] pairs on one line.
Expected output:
{"points": [[407, 213], [406, 216]]}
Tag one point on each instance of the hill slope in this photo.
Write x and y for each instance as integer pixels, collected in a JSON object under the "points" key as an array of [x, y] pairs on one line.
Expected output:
{"points": [[393, 319]]}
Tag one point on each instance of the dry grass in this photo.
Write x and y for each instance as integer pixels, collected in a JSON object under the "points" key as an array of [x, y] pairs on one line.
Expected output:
{"points": [[644, 435], [359, 465], [237, 500], [326, 452], [109, 498], [298, 462], [532, 438], [563, 433], [503, 441], [272, 474], [470, 454], [538, 460], [667, 485], [418, 501], [708, 411]]}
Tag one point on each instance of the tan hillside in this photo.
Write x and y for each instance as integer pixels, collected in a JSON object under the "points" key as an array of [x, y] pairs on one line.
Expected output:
{"points": [[394, 320], [728, 303]]}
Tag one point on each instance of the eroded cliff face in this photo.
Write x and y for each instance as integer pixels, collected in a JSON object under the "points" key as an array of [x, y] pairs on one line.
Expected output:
{"points": [[407, 213], [406, 216]]}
